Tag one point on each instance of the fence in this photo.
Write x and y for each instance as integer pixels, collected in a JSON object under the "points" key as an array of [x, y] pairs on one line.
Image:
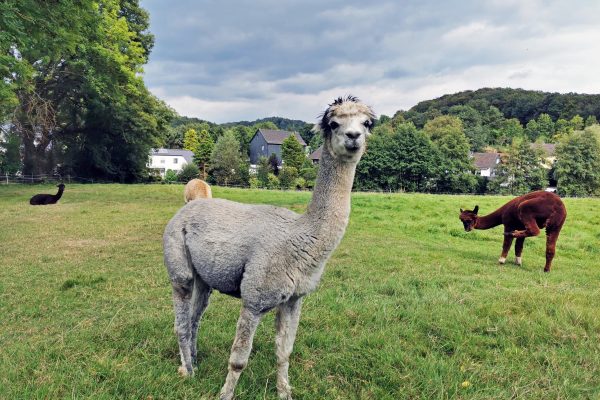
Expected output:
{"points": [[57, 178]]}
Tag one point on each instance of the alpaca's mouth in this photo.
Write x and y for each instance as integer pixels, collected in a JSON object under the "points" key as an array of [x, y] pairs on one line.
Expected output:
{"points": [[352, 146]]}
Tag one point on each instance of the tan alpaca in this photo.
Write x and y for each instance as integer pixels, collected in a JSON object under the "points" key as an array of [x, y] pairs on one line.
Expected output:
{"points": [[196, 189]]}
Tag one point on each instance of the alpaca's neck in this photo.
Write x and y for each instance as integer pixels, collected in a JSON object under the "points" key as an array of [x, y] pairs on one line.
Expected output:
{"points": [[329, 208], [58, 195], [490, 220]]}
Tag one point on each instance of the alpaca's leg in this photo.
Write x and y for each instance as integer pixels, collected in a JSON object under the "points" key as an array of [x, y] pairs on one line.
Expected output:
{"points": [[200, 296], [551, 239], [182, 296], [286, 323], [240, 351], [505, 248], [519, 250]]}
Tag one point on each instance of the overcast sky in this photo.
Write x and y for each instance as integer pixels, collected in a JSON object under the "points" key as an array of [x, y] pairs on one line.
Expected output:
{"points": [[237, 60]]}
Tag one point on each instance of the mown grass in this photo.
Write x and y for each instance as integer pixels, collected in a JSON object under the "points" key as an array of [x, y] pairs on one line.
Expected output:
{"points": [[410, 306]]}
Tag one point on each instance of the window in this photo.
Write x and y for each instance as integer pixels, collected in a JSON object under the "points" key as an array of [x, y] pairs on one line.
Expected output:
{"points": [[162, 160], [263, 148], [175, 160]]}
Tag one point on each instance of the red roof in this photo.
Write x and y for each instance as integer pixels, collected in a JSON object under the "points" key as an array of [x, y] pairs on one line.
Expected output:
{"points": [[316, 155], [485, 160]]}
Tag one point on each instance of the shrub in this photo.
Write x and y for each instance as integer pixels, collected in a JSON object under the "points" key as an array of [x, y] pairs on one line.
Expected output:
{"points": [[170, 176], [273, 181], [287, 176], [188, 172]]}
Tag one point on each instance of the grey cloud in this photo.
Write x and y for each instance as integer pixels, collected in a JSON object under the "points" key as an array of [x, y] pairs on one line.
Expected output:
{"points": [[250, 52]]}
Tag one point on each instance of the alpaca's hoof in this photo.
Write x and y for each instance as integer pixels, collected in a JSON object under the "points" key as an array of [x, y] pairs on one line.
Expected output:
{"points": [[518, 261], [501, 260], [183, 371], [285, 392], [226, 396]]}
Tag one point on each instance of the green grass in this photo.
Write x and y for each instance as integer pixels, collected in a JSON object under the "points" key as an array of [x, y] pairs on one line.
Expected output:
{"points": [[410, 305]]}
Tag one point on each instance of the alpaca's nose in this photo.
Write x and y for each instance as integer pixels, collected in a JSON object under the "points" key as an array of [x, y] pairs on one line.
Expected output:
{"points": [[352, 135]]}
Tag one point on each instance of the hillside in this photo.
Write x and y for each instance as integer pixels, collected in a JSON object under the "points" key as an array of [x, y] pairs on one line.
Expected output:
{"points": [[519, 103], [282, 123]]}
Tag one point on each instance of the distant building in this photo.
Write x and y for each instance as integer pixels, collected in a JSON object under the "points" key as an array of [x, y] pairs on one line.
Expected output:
{"points": [[549, 150], [169, 159], [267, 141], [486, 163], [315, 156]]}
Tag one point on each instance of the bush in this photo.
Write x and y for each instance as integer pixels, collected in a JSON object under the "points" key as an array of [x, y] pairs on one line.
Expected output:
{"points": [[287, 176], [188, 172], [273, 181], [300, 183], [254, 182], [170, 176]]}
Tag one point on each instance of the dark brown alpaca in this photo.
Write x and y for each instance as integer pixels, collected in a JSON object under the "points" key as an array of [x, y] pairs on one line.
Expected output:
{"points": [[522, 217], [43, 199]]}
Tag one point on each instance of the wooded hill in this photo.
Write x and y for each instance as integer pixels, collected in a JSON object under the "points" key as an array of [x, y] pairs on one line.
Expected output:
{"points": [[524, 105]]}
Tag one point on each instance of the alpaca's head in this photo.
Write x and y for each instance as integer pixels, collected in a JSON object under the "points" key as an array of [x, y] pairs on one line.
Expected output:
{"points": [[468, 218], [345, 126], [60, 186]]}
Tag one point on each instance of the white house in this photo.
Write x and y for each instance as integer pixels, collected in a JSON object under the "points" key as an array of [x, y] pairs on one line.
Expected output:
{"points": [[169, 159], [486, 163]]}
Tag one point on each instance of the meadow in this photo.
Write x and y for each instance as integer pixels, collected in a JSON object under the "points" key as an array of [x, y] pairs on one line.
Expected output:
{"points": [[410, 305]]}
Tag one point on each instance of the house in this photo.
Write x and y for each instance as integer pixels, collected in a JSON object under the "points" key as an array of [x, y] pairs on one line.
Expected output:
{"points": [[315, 156], [548, 150], [163, 160], [267, 141], [486, 163]]}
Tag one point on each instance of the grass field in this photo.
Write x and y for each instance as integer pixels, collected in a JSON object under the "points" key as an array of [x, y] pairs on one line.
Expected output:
{"points": [[410, 305]]}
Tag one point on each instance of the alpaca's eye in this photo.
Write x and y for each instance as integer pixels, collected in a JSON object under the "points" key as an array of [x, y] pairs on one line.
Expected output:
{"points": [[333, 125], [367, 124]]}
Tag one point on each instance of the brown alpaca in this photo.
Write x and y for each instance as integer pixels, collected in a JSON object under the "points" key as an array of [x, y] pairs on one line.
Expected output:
{"points": [[522, 217], [196, 189], [43, 199]]}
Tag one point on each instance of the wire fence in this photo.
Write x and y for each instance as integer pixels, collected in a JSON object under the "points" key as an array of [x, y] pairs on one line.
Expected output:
{"points": [[7, 179]]}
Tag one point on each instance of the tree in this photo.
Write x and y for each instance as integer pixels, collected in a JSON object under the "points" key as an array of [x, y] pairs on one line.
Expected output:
{"points": [[262, 171], [404, 160], [522, 171], [577, 123], [578, 164], [274, 164], [532, 130], [74, 69], [190, 140], [441, 126], [225, 159], [510, 130], [456, 167], [204, 151], [591, 120], [545, 126], [10, 153], [292, 153]]}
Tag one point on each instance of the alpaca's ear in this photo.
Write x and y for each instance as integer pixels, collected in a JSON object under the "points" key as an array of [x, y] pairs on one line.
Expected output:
{"points": [[461, 210], [323, 125], [476, 210]]}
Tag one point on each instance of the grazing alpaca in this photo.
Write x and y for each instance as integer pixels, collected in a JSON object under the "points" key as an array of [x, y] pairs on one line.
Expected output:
{"points": [[196, 189], [268, 256], [523, 217], [43, 199]]}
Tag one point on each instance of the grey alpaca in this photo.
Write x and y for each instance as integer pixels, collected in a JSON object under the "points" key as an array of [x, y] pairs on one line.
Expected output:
{"points": [[270, 257]]}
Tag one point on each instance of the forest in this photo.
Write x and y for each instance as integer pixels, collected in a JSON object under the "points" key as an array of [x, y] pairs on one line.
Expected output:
{"points": [[73, 102]]}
